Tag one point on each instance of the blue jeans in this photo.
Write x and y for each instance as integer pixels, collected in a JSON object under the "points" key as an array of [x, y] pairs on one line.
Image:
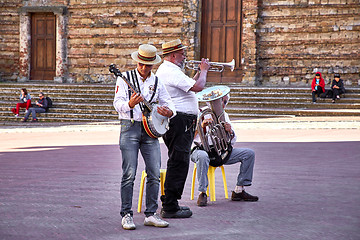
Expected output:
{"points": [[244, 155], [33, 111], [132, 139]]}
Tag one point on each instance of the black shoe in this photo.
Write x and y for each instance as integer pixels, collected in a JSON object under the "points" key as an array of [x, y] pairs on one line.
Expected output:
{"points": [[184, 208], [162, 198], [243, 196], [202, 200], [178, 214]]}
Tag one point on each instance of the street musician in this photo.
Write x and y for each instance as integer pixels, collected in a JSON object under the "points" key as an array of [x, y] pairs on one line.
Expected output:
{"points": [[203, 156], [180, 135], [133, 135]]}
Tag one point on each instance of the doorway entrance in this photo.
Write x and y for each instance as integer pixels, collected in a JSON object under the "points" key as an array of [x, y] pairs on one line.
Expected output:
{"points": [[221, 37], [43, 46]]}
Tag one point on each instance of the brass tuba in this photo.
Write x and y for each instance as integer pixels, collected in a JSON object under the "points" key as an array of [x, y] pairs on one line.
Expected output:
{"points": [[215, 138]]}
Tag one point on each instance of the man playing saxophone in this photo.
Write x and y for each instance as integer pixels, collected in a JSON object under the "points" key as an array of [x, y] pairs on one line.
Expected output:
{"points": [[204, 158]]}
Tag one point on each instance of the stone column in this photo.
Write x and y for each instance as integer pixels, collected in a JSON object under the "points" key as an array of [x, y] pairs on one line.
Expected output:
{"points": [[61, 58], [25, 50], [249, 44]]}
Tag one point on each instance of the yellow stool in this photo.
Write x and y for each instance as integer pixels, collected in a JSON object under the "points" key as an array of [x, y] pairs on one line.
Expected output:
{"points": [[142, 183], [211, 177]]}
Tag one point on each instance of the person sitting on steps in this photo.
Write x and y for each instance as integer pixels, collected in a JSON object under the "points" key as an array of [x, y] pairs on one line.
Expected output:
{"points": [[337, 87], [41, 107], [25, 102], [317, 86]]}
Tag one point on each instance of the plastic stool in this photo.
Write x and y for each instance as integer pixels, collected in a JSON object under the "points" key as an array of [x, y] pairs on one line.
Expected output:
{"points": [[211, 178], [142, 183]]}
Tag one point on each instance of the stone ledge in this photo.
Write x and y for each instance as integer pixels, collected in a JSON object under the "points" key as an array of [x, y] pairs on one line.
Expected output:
{"points": [[55, 9]]}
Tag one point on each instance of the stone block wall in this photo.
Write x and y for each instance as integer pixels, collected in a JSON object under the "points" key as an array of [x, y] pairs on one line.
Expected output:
{"points": [[297, 38], [283, 42], [98, 33], [9, 39], [103, 33], [249, 42]]}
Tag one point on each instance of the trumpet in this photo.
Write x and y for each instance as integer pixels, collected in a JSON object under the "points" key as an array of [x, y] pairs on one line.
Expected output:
{"points": [[214, 66]]}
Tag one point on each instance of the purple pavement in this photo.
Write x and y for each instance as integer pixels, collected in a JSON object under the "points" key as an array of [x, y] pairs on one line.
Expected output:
{"points": [[306, 191]]}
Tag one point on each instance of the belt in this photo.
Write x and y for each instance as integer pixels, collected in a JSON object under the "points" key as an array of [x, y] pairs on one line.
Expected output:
{"points": [[186, 114]]}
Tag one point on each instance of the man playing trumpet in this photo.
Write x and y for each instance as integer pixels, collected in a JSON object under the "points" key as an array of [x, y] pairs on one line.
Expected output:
{"points": [[180, 135], [244, 155]]}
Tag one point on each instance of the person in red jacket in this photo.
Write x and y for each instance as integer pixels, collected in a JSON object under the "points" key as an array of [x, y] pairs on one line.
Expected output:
{"points": [[317, 86]]}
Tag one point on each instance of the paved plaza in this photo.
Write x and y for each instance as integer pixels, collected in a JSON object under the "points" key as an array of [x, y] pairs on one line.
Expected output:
{"points": [[62, 182]]}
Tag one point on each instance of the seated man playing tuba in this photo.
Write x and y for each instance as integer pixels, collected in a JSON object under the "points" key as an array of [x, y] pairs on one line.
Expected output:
{"points": [[204, 158]]}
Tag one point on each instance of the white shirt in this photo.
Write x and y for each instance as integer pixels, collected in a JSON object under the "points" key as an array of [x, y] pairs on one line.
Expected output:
{"points": [[178, 86], [227, 119], [121, 99]]}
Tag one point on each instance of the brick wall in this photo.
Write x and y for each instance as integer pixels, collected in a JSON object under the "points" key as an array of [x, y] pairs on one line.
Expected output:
{"points": [[283, 42], [9, 39], [300, 37], [249, 42], [100, 34]]}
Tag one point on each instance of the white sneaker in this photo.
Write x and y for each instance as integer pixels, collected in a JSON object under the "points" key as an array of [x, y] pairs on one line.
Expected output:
{"points": [[127, 222], [156, 221], [26, 111], [16, 115]]}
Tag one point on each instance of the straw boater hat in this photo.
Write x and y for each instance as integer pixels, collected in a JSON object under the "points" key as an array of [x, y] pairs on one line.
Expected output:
{"points": [[172, 46], [146, 54]]}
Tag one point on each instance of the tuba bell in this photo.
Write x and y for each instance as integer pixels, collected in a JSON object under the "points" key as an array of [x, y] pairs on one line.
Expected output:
{"points": [[214, 139]]}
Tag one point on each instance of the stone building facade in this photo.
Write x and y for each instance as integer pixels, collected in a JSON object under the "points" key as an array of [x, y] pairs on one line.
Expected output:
{"points": [[282, 42]]}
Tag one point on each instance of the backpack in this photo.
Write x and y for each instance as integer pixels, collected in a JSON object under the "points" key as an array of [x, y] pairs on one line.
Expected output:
{"points": [[49, 103]]}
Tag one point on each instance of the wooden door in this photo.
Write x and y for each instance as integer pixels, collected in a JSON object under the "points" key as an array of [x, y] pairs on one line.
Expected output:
{"points": [[43, 46], [221, 37]]}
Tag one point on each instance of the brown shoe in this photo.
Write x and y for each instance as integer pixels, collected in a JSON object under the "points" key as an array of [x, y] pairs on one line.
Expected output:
{"points": [[202, 200], [243, 196]]}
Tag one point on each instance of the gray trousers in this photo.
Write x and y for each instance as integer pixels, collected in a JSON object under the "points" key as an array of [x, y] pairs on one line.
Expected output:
{"points": [[33, 111], [244, 155]]}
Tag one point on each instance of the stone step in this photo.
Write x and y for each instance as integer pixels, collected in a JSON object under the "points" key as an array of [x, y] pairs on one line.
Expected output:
{"points": [[73, 99], [67, 104], [33, 92], [49, 87], [108, 98], [306, 94], [108, 109], [93, 102], [57, 119], [71, 110], [55, 115], [109, 94], [307, 105], [307, 99], [295, 112]]}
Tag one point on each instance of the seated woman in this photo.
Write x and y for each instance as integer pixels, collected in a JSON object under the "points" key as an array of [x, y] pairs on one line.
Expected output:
{"points": [[25, 102], [317, 86], [337, 87]]}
